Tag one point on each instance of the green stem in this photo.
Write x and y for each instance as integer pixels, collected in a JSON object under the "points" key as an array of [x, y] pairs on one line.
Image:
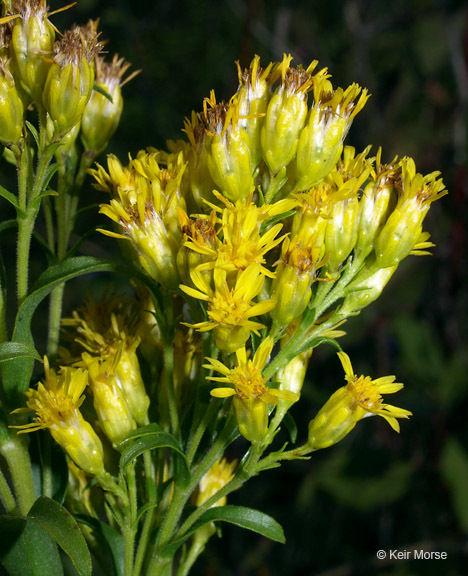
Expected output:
{"points": [[6, 495], [161, 566], [16, 454], [129, 527], [151, 497], [169, 367]]}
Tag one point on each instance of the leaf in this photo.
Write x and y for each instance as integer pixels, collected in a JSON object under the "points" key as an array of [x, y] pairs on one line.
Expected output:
{"points": [[26, 549], [62, 527], [110, 538], [154, 440], [10, 350], [11, 199], [291, 427], [247, 518], [7, 225], [104, 92], [34, 132], [454, 469]]}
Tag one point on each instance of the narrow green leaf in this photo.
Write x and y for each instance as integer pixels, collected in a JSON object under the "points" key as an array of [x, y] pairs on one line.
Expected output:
{"points": [[10, 197], [291, 427], [62, 527], [108, 537], [26, 549], [140, 432], [247, 518], [153, 441], [34, 132], [10, 350], [103, 91], [8, 225]]}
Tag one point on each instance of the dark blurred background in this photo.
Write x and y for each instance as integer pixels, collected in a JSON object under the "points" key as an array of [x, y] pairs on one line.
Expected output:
{"points": [[375, 490]]}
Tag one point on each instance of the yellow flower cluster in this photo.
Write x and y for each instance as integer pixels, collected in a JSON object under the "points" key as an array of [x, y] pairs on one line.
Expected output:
{"points": [[262, 214], [264, 233]]}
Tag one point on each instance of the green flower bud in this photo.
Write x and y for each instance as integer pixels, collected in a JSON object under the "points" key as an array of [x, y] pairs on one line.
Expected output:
{"points": [[403, 230], [285, 117], [71, 77], [341, 231], [11, 108], [320, 142], [32, 41], [253, 96], [366, 288], [101, 115]]}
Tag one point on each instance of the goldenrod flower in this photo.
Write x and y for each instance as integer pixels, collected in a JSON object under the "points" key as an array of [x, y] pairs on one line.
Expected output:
{"points": [[360, 398], [106, 335], [402, 232], [145, 203], [230, 309], [251, 395], [56, 403], [239, 242]]}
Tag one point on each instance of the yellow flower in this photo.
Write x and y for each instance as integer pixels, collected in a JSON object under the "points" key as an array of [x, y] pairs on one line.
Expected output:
{"points": [[360, 398], [145, 201], [106, 335], [230, 309], [56, 403], [251, 395], [239, 242]]}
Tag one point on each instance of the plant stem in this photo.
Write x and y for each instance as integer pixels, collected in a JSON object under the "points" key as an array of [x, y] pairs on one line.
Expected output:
{"points": [[149, 519], [161, 566], [16, 455], [6, 495]]}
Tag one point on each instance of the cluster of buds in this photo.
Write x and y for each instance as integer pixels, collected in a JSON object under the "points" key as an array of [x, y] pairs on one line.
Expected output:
{"points": [[57, 78]]}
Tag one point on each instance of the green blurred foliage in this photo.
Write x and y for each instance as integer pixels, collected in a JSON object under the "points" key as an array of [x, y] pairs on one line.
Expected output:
{"points": [[375, 490]]}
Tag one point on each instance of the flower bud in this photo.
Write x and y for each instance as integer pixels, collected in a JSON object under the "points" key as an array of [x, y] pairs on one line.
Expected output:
{"points": [[403, 228], [31, 45], [375, 205], [294, 277], [341, 231], [285, 116], [253, 96], [365, 288], [11, 108], [110, 402], [70, 77], [227, 148], [101, 114]]}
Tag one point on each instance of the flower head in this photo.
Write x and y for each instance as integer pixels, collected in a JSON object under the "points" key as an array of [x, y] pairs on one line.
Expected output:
{"points": [[249, 390], [56, 403], [230, 309], [360, 398]]}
